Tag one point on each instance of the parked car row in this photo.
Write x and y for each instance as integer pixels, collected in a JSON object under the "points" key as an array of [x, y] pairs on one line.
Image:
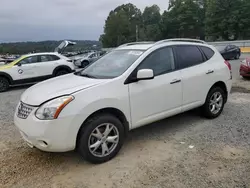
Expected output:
{"points": [[93, 110]]}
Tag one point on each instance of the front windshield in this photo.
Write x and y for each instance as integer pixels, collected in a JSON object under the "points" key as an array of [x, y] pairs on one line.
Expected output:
{"points": [[112, 65]]}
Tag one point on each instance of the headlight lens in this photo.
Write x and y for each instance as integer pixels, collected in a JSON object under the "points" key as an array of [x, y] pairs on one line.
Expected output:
{"points": [[51, 109]]}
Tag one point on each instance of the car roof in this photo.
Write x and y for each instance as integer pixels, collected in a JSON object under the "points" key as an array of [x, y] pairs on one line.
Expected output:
{"points": [[146, 46], [42, 53]]}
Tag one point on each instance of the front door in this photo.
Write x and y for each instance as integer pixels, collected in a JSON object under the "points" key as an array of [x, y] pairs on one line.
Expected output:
{"points": [[25, 70], [156, 99]]}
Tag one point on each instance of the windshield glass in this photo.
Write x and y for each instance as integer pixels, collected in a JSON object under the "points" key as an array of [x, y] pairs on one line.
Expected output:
{"points": [[112, 65]]}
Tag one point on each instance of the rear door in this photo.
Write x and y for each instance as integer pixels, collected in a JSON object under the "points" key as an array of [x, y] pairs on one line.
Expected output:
{"points": [[47, 64], [196, 75]]}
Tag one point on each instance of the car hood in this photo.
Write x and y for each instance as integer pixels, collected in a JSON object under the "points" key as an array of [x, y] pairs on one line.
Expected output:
{"points": [[52, 88]]}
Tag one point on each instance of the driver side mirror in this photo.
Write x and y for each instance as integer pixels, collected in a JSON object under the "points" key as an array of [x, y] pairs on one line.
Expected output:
{"points": [[19, 64], [145, 74]]}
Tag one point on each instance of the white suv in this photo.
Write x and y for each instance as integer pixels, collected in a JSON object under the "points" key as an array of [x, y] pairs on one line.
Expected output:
{"points": [[136, 84]]}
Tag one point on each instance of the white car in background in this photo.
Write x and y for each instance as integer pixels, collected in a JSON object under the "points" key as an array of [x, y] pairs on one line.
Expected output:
{"points": [[87, 59], [32, 68], [136, 84]]}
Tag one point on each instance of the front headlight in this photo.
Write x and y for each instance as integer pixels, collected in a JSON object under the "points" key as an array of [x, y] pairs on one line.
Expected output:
{"points": [[51, 109]]}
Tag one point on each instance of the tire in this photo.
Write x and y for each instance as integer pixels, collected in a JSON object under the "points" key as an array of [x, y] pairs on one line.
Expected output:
{"points": [[84, 64], [4, 84], [61, 72], [211, 110], [97, 154], [246, 77]]}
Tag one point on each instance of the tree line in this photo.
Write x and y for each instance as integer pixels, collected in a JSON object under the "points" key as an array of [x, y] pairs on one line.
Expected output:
{"points": [[210, 20], [46, 46]]}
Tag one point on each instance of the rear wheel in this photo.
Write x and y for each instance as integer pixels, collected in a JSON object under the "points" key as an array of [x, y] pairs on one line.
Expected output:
{"points": [[84, 64], [101, 138], [215, 102], [61, 72], [4, 84], [246, 77]]}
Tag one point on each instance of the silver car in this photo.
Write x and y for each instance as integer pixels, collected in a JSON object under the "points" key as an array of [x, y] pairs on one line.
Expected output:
{"points": [[86, 59]]}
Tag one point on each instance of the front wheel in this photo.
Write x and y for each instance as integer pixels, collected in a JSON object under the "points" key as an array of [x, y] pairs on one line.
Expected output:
{"points": [[4, 84], [84, 64], [101, 138], [215, 102]]}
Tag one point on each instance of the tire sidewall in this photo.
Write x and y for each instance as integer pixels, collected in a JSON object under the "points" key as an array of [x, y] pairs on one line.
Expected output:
{"points": [[6, 83], [206, 110], [89, 126]]}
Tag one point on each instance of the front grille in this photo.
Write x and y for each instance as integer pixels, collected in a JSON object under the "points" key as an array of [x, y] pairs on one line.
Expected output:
{"points": [[23, 110]]}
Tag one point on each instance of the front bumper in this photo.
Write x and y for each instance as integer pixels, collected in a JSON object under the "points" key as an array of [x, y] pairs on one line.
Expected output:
{"points": [[244, 70], [47, 135]]}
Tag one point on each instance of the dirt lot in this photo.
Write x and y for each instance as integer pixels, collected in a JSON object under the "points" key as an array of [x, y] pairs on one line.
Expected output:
{"points": [[183, 151]]}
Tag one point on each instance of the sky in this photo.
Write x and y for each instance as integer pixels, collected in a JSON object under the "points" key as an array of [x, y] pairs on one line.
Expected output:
{"points": [[36, 20]]}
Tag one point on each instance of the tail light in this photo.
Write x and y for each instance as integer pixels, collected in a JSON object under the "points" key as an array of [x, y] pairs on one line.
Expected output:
{"points": [[228, 65], [230, 69]]}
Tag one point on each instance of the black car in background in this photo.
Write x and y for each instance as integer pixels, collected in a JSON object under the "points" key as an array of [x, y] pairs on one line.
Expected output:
{"points": [[230, 52]]}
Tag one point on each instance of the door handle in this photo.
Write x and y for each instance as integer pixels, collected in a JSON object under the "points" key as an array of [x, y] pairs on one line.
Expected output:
{"points": [[210, 72], [175, 81]]}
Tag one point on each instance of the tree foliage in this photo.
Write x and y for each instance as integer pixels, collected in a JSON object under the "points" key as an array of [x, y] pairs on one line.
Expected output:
{"points": [[210, 19]]}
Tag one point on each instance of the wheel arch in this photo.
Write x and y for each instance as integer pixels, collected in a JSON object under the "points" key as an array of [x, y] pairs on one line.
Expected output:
{"points": [[62, 67], [110, 110], [223, 86], [7, 76]]}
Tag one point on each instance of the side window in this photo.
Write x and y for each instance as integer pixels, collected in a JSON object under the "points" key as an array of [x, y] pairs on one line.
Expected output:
{"points": [[188, 56], [92, 56], [207, 51], [160, 61], [54, 57], [29, 60], [45, 58]]}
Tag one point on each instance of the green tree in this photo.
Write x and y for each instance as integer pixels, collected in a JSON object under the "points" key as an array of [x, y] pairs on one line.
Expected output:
{"points": [[120, 26], [151, 21], [183, 19], [223, 19]]}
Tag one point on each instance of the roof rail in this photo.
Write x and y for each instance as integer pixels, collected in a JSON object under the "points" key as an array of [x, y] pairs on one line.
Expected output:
{"points": [[135, 43], [181, 40]]}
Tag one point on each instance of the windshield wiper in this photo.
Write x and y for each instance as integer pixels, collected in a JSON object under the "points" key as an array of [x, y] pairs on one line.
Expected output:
{"points": [[87, 75]]}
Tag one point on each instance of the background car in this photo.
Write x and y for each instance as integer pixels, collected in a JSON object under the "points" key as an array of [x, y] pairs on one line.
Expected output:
{"points": [[245, 68], [33, 68], [86, 59], [230, 52]]}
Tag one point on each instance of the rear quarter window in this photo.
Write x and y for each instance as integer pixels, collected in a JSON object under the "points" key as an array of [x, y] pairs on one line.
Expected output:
{"points": [[209, 53]]}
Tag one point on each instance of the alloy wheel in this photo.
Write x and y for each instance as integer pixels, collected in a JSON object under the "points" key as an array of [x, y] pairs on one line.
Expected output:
{"points": [[216, 102], [103, 140]]}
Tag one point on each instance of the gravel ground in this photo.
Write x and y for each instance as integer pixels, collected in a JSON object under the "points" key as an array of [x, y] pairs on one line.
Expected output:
{"points": [[182, 151]]}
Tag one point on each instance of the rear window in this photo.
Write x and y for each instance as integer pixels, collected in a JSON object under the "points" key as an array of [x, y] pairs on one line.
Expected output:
{"points": [[207, 51], [188, 56]]}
